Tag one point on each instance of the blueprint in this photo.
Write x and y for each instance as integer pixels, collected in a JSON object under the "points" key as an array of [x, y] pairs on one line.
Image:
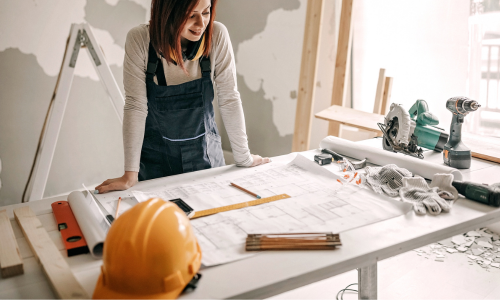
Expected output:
{"points": [[318, 203]]}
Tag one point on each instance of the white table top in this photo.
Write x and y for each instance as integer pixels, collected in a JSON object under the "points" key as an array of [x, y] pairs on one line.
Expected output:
{"points": [[271, 273]]}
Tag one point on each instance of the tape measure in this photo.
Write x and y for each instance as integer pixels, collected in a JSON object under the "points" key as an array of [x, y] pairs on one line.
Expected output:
{"points": [[212, 211]]}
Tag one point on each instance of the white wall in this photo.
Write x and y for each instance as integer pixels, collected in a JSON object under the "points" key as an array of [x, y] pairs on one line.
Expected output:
{"points": [[422, 44]]}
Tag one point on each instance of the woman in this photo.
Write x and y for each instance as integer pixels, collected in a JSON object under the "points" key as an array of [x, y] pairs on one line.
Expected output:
{"points": [[170, 72]]}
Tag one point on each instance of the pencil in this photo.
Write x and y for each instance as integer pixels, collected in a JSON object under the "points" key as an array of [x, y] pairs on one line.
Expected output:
{"points": [[118, 207], [245, 190]]}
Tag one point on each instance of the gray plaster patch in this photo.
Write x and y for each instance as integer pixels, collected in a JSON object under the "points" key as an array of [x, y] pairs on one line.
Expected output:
{"points": [[263, 136], [117, 20], [244, 18]]}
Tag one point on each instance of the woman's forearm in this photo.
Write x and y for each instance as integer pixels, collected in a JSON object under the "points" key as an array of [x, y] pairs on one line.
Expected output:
{"points": [[133, 135]]}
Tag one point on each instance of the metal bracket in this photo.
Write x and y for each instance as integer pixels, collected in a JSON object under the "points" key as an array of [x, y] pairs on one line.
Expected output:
{"points": [[83, 40]]}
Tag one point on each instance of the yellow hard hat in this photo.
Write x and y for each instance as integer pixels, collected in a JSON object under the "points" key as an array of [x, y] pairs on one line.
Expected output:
{"points": [[150, 252]]}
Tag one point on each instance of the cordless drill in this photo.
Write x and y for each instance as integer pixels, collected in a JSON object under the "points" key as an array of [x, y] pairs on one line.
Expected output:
{"points": [[489, 195], [455, 153]]}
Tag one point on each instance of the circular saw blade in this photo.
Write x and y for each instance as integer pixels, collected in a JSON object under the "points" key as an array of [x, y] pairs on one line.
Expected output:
{"points": [[402, 117], [390, 138]]}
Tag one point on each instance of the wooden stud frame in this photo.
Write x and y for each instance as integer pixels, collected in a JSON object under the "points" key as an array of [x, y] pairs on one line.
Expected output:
{"points": [[342, 61], [379, 94], [386, 96], [307, 83]]}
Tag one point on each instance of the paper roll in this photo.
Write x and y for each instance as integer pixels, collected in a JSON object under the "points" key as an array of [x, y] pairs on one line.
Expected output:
{"points": [[90, 220], [381, 157]]}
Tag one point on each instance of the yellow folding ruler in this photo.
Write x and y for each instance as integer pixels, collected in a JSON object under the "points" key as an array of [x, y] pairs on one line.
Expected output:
{"points": [[211, 211]]}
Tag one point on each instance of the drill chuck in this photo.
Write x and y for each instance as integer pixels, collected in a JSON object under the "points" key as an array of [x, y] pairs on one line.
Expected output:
{"points": [[462, 105], [478, 192], [472, 105]]}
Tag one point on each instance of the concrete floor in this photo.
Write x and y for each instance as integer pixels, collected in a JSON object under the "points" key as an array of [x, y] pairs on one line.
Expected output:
{"points": [[410, 276]]}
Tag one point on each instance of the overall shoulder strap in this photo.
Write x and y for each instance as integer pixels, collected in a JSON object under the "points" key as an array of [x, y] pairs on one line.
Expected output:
{"points": [[155, 67], [205, 66]]}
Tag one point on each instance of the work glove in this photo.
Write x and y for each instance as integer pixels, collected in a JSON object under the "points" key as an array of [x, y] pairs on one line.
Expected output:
{"points": [[386, 179], [435, 199]]}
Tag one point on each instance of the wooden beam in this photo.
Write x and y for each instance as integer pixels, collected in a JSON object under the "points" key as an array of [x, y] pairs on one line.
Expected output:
{"points": [[342, 61], [54, 265], [379, 94], [386, 96], [307, 81], [11, 263]]}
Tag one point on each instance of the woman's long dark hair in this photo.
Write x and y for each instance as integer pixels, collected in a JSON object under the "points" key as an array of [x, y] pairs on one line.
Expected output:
{"points": [[168, 18]]}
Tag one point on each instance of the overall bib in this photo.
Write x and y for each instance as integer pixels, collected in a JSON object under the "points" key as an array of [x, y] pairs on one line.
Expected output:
{"points": [[181, 135]]}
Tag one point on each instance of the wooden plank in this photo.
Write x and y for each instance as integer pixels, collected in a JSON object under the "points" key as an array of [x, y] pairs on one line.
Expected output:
{"points": [[493, 158], [11, 263], [351, 117], [342, 61], [377, 106], [55, 267], [386, 97], [307, 80]]}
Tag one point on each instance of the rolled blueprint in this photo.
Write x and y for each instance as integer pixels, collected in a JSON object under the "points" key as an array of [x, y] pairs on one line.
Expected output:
{"points": [[381, 157], [91, 221]]}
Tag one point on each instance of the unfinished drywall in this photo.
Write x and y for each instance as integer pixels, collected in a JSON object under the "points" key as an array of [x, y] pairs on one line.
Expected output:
{"points": [[33, 37], [264, 120], [267, 41]]}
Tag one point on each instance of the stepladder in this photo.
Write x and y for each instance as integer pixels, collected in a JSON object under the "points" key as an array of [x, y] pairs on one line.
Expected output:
{"points": [[80, 36]]}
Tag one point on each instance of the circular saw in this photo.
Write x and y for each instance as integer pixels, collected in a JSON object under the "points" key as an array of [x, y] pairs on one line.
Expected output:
{"points": [[408, 131]]}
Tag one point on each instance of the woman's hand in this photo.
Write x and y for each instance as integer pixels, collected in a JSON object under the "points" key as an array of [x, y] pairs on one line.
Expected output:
{"points": [[258, 160], [128, 180]]}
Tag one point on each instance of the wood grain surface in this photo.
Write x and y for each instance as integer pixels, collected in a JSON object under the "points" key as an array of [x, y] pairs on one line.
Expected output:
{"points": [[57, 270], [307, 79], [11, 262]]}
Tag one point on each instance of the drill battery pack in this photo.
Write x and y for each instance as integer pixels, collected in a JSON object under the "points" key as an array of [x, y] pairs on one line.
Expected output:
{"points": [[460, 159]]}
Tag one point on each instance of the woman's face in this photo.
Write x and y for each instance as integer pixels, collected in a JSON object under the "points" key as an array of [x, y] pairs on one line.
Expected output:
{"points": [[197, 21]]}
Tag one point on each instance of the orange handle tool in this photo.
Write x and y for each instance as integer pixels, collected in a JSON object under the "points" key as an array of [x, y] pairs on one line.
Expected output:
{"points": [[72, 236]]}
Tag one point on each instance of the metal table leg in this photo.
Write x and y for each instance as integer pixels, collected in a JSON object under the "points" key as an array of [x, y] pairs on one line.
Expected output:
{"points": [[367, 282]]}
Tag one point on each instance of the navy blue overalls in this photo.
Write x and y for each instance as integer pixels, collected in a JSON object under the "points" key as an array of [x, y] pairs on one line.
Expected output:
{"points": [[181, 135]]}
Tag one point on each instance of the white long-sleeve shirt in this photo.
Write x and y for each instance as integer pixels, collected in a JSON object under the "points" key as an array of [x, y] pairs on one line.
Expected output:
{"points": [[225, 86]]}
